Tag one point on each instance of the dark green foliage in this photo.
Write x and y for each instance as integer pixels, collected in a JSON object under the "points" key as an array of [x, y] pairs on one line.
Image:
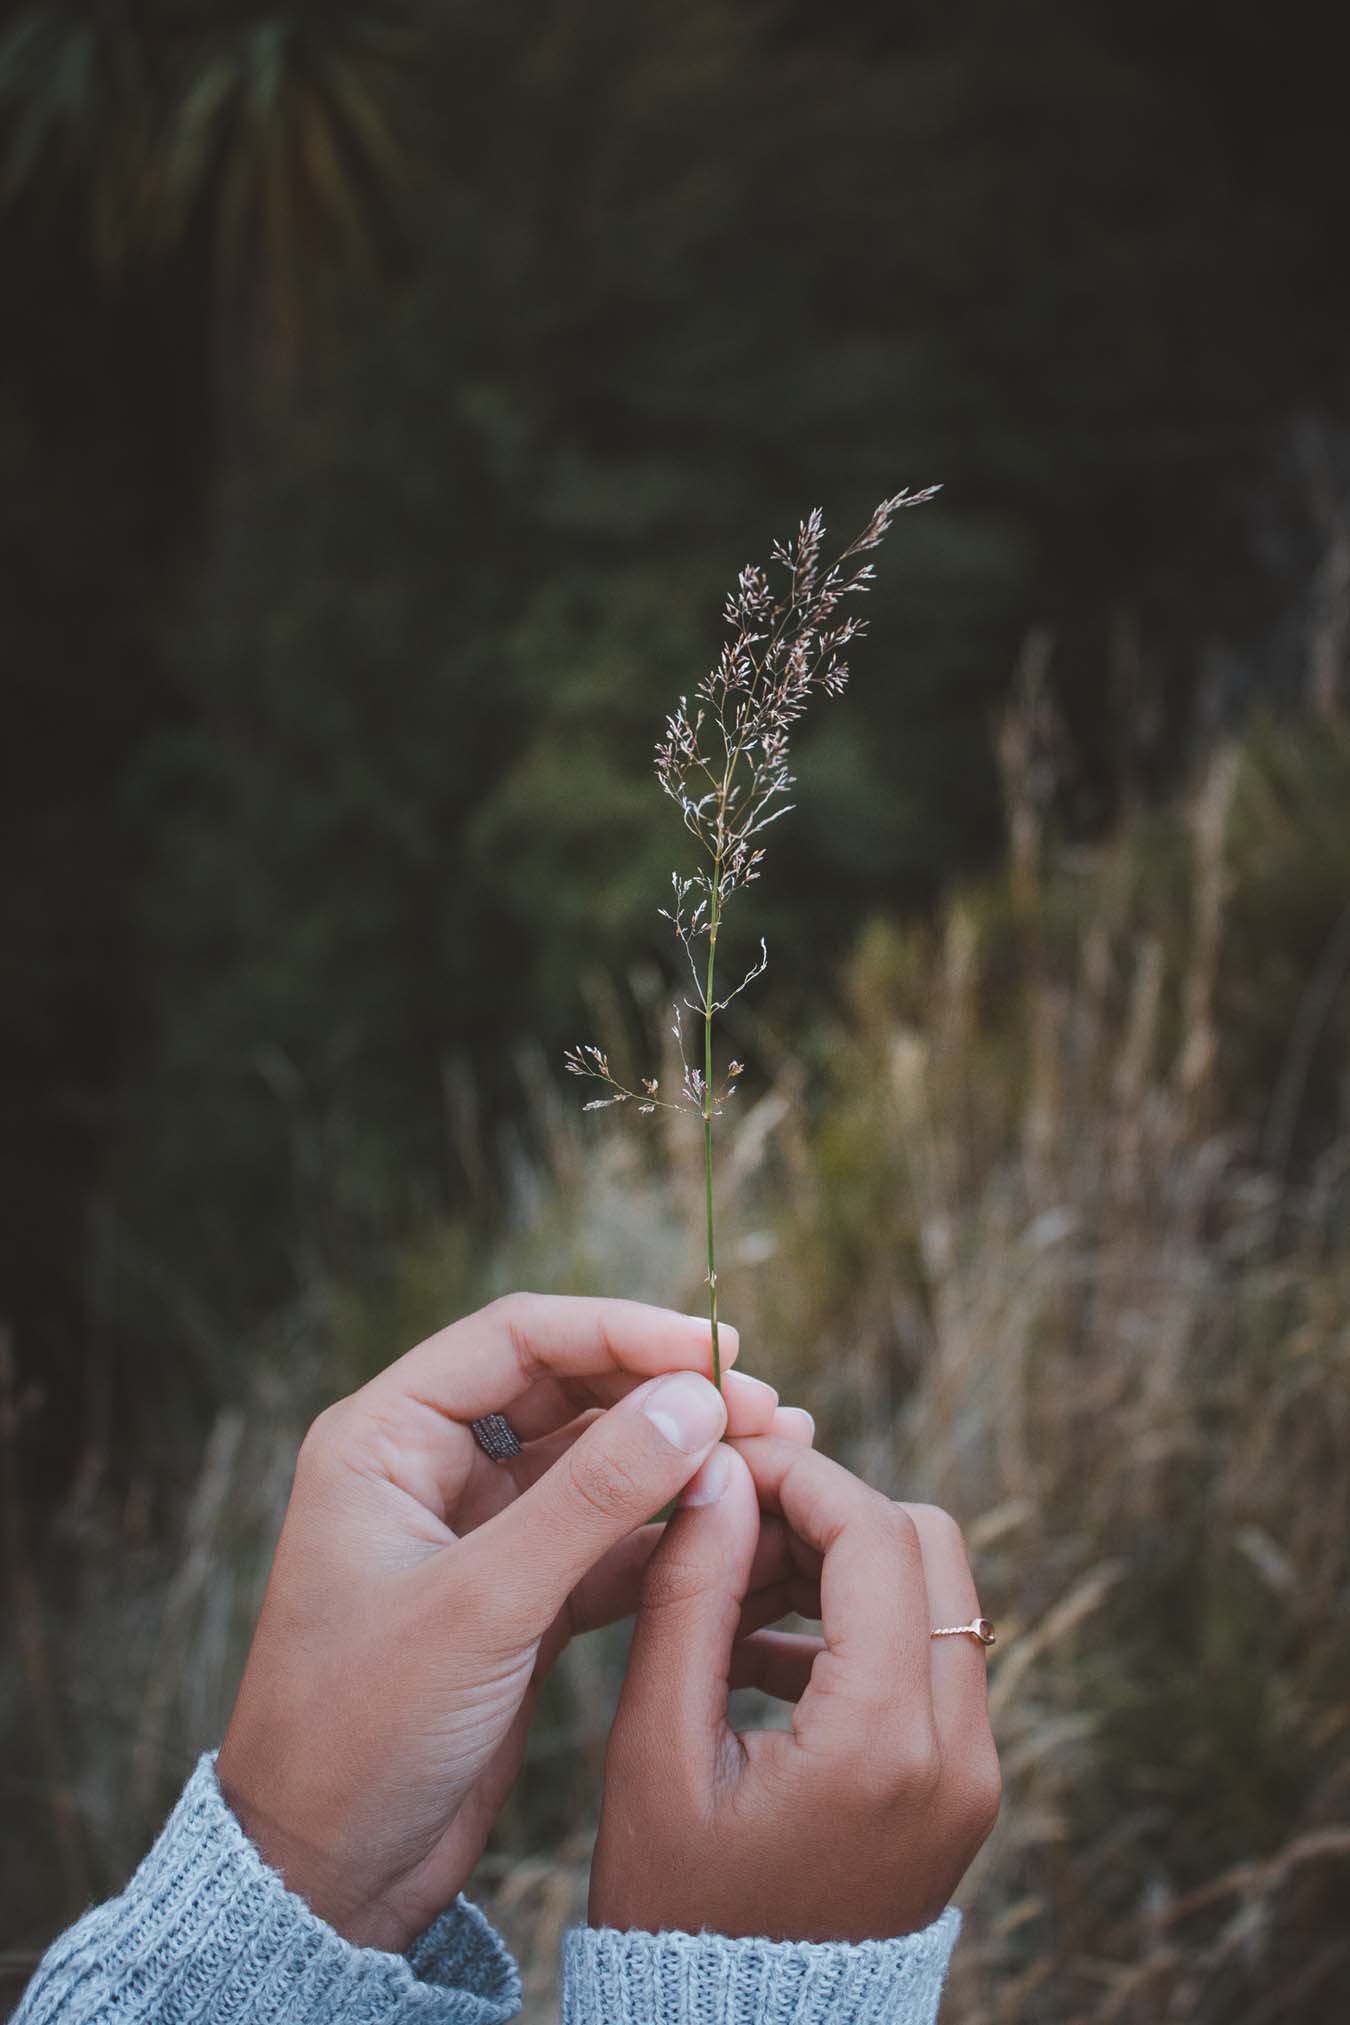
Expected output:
{"points": [[398, 386]]}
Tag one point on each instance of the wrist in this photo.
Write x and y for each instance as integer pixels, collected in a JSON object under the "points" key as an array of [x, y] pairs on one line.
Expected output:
{"points": [[311, 1863], [207, 1929]]}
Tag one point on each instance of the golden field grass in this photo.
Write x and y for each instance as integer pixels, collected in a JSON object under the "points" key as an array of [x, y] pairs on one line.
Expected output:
{"points": [[1050, 1223]]}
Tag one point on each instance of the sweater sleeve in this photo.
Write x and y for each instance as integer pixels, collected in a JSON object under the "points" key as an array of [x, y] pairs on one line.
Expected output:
{"points": [[207, 1931], [702, 1979]]}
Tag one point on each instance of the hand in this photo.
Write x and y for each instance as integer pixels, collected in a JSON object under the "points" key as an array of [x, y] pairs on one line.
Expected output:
{"points": [[420, 1592], [858, 1822]]}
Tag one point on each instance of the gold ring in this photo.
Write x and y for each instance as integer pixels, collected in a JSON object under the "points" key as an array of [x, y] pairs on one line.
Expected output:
{"points": [[979, 1628]]}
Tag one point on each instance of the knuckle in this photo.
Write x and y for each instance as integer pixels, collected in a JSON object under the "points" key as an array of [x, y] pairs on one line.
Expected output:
{"points": [[325, 1438], [892, 1764], [604, 1482], [514, 1315], [983, 1794], [901, 1533], [513, 1306], [670, 1583], [939, 1524], [914, 1767]]}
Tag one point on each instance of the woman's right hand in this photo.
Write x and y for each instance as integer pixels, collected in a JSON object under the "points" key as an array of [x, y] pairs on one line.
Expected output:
{"points": [[858, 1821]]}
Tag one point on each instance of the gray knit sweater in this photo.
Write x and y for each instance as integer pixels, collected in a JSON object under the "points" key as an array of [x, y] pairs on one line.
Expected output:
{"points": [[206, 1932]]}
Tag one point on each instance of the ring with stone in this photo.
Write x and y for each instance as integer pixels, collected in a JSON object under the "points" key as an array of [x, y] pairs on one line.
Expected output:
{"points": [[979, 1628]]}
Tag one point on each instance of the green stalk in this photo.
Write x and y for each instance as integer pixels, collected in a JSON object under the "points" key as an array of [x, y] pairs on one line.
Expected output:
{"points": [[708, 1123]]}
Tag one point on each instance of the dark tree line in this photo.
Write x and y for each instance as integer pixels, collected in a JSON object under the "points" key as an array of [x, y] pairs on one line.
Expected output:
{"points": [[386, 396]]}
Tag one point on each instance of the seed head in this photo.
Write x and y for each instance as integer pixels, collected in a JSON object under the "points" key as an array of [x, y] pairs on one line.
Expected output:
{"points": [[723, 758]]}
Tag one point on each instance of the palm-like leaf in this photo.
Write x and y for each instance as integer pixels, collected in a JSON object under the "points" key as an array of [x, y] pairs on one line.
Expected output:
{"points": [[76, 107], [285, 132], [278, 132]]}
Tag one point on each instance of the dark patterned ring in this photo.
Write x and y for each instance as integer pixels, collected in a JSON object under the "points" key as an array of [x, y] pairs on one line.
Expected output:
{"points": [[496, 1437]]}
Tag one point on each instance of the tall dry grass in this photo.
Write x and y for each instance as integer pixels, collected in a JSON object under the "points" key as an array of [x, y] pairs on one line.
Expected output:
{"points": [[1032, 1246], [1051, 1225]]}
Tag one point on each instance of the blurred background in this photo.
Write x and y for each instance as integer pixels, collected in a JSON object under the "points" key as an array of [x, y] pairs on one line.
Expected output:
{"points": [[388, 396]]}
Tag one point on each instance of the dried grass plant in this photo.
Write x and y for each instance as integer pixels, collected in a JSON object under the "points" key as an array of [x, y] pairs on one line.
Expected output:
{"points": [[724, 761]]}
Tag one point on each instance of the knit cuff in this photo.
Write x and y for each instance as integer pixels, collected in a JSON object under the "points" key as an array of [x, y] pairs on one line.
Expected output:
{"points": [[703, 1979], [207, 1930]]}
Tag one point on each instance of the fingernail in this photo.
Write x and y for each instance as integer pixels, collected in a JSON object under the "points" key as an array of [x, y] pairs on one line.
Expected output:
{"points": [[708, 1483], [687, 1410], [801, 1418], [748, 1386]]}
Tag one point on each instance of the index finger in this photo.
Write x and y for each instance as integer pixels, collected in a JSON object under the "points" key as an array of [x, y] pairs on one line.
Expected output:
{"points": [[873, 1595], [482, 1363]]}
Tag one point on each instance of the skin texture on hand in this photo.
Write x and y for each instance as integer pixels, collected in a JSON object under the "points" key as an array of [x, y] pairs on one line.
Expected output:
{"points": [[859, 1821], [420, 1592]]}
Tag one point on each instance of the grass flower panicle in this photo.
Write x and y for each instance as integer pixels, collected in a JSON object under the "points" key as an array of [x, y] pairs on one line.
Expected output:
{"points": [[724, 761]]}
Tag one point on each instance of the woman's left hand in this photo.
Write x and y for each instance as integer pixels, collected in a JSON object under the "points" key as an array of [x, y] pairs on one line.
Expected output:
{"points": [[420, 1592]]}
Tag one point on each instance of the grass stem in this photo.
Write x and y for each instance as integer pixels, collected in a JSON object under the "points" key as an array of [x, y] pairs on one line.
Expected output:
{"points": [[708, 1005]]}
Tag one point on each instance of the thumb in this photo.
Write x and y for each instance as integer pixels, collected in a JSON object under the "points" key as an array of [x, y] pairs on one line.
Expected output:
{"points": [[613, 1478], [675, 1692]]}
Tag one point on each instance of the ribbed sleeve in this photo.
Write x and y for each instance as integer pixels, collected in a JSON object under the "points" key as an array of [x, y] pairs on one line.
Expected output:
{"points": [[702, 1979], [207, 1934]]}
